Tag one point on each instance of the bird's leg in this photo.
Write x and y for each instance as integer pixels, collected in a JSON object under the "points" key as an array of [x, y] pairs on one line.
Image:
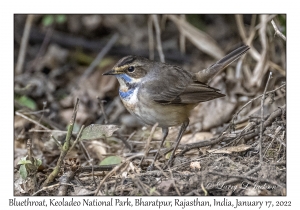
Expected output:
{"points": [[181, 132], [165, 134]]}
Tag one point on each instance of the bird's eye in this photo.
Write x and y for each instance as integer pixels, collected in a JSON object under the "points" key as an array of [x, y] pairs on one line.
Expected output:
{"points": [[130, 69]]}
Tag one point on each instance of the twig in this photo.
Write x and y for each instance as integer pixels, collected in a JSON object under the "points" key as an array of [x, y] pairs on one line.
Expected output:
{"points": [[97, 168], [129, 146], [77, 138], [113, 171], [65, 147], [262, 63], [101, 104], [262, 119], [89, 159], [64, 181], [32, 166], [277, 32], [158, 40], [182, 37], [151, 38], [24, 42], [248, 177], [47, 131], [46, 188], [146, 148], [204, 190], [56, 141], [31, 120], [99, 57]]}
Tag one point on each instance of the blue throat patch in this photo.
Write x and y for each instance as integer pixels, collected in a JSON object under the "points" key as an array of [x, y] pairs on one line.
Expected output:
{"points": [[126, 95], [131, 87]]}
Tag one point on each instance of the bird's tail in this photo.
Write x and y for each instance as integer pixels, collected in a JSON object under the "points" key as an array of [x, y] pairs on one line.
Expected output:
{"points": [[206, 74]]}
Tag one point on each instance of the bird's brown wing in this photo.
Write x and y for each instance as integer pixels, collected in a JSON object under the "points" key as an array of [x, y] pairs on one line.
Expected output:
{"points": [[198, 92], [166, 84], [173, 85]]}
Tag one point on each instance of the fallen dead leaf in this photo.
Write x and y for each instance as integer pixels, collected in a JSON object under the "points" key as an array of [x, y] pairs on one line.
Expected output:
{"points": [[97, 148], [195, 165], [192, 138], [229, 150]]}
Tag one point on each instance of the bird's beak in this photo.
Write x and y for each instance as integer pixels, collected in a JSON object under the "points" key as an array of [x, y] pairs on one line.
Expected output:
{"points": [[114, 71], [110, 72]]}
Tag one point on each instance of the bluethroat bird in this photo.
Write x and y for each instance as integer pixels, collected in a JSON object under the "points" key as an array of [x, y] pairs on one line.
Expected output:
{"points": [[161, 93]]}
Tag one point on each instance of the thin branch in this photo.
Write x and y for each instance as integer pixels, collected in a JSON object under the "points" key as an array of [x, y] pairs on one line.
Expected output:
{"points": [[182, 37], [24, 42], [249, 178], [151, 38], [262, 118], [101, 104], [277, 32], [146, 148], [65, 147], [77, 138], [158, 40], [31, 120]]}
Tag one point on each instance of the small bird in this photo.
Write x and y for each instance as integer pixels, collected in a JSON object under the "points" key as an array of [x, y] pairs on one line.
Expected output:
{"points": [[161, 93]]}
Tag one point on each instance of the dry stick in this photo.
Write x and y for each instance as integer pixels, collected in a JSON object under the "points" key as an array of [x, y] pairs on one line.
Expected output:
{"points": [[99, 57], [65, 147], [151, 38], [260, 67], [101, 104], [249, 178], [56, 141], [44, 106], [262, 119], [77, 138], [64, 181], [31, 120], [24, 42], [47, 131], [158, 40], [113, 171], [30, 157], [182, 37], [46, 188], [89, 159], [146, 148], [277, 32], [129, 146]]}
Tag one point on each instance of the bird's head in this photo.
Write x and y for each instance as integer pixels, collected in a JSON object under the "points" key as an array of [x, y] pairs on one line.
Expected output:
{"points": [[130, 69]]}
